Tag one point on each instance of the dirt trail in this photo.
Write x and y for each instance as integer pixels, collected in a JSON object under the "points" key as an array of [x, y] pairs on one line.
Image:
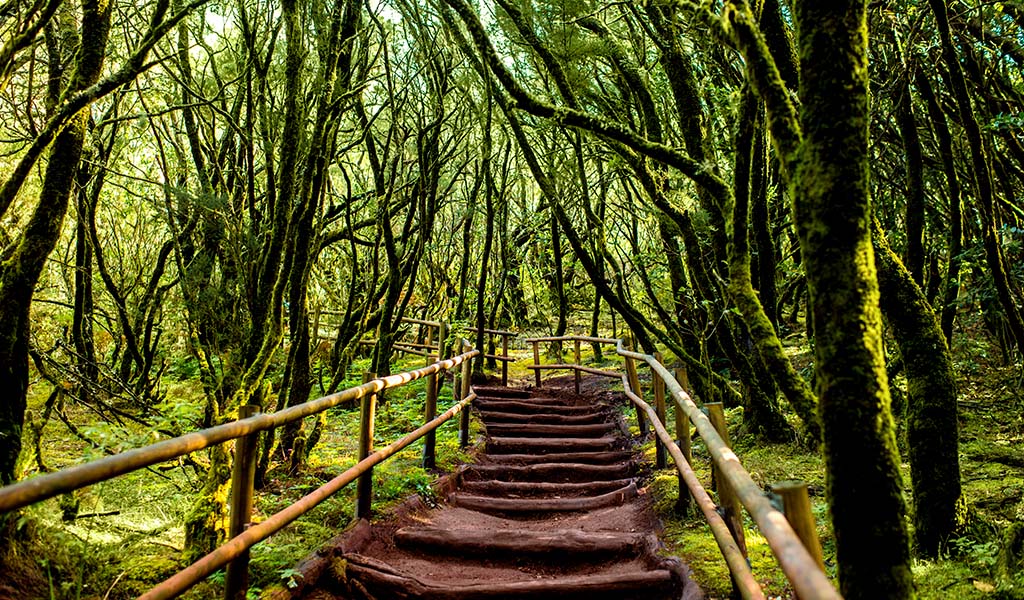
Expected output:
{"points": [[552, 509]]}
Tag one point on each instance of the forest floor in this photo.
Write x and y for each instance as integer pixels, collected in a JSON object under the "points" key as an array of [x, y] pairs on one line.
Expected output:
{"points": [[126, 534], [992, 472]]}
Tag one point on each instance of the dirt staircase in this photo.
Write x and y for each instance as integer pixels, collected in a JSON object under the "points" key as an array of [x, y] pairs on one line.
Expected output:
{"points": [[551, 509]]}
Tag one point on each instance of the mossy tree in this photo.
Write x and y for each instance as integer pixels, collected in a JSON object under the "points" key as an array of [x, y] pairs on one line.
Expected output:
{"points": [[73, 87], [637, 143], [932, 427], [825, 150]]}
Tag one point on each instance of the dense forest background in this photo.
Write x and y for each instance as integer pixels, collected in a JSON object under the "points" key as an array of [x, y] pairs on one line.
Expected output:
{"points": [[197, 194]]}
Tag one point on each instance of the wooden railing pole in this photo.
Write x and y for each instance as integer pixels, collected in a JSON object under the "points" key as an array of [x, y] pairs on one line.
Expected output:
{"points": [[796, 505], [504, 363], [429, 412], [682, 422], [576, 372], [429, 341], [683, 441], [364, 491], [660, 458], [236, 581], [634, 382], [536, 362], [463, 393], [727, 498]]}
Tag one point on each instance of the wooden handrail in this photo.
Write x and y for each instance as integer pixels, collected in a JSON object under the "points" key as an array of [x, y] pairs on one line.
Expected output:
{"points": [[572, 338], [40, 488], [799, 566], [746, 584], [421, 322], [592, 371], [797, 563], [234, 553], [258, 532], [500, 332]]}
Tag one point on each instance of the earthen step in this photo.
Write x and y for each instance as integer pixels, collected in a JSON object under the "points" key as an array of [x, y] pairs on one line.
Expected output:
{"points": [[554, 472], [590, 458], [489, 505], [543, 488], [503, 417], [539, 400], [531, 408], [526, 445], [500, 392], [595, 430], [383, 581], [568, 544]]}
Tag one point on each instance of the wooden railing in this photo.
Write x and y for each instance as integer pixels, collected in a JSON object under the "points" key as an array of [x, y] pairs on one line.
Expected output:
{"points": [[791, 534], [243, 534], [434, 335]]}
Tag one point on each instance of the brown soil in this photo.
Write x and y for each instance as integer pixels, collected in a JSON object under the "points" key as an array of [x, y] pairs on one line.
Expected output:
{"points": [[552, 508]]}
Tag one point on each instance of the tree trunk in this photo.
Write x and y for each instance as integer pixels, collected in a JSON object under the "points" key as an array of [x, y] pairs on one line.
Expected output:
{"points": [[796, 390], [955, 245], [932, 430], [914, 221], [24, 264], [830, 174], [485, 256]]}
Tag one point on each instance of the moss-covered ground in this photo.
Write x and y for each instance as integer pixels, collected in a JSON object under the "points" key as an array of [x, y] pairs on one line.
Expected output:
{"points": [[992, 474]]}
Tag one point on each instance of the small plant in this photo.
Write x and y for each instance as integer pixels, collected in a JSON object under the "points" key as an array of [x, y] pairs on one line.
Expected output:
{"points": [[980, 555]]}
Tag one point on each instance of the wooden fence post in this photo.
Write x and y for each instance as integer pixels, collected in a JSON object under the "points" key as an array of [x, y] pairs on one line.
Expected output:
{"points": [[236, 581], [727, 499], [683, 440], [536, 362], [368, 407], [429, 412], [463, 393], [660, 460], [682, 421], [576, 372], [504, 363], [796, 505], [430, 334], [634, 383]]}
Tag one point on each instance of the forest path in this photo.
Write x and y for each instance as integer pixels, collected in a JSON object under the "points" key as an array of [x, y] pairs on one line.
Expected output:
{"points": [[553, 507]]}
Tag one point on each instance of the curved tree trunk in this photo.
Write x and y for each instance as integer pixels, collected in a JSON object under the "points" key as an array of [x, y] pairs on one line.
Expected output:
{"points": [[22, 267], [955, 245], [796, 390], [932, 429]]}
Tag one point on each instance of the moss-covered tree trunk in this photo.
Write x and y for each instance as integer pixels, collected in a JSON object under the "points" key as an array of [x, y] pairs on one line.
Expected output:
{"points": [[832, 201], [932, 431], [485, 255], [914, 220], [796, 390], [25, 260]]}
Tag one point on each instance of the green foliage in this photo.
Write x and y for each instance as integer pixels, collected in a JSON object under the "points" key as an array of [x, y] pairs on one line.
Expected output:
{"points": [[1006, 122]]}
